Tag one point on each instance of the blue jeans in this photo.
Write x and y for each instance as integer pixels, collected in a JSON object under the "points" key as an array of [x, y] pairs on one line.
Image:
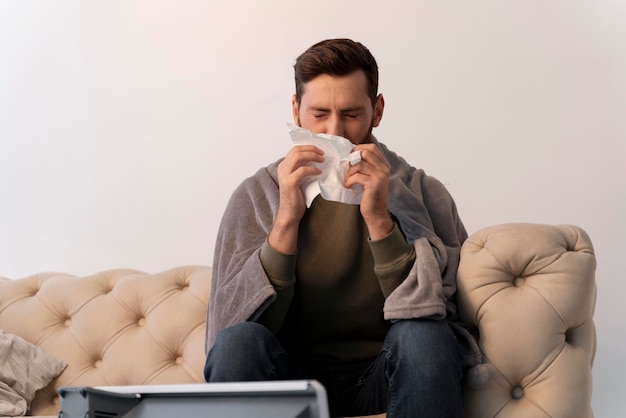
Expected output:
{"points": [[417, 373]]}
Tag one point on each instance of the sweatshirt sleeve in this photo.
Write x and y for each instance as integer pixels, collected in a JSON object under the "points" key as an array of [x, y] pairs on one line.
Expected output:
{"points": [[393, 260], [281, 271]]}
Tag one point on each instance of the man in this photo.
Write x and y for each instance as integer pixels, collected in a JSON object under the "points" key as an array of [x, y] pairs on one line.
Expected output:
{"points": [[359, 297]]}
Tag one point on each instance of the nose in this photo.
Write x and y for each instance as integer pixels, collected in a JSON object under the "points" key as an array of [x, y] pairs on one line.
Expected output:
{"points": [[335, 125]]}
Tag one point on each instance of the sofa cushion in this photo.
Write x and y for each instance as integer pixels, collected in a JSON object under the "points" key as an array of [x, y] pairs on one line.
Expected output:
{"points": [[25, 369], [118, 327]]}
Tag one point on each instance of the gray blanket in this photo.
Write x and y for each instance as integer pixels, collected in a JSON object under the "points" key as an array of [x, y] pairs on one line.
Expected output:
{"points": [[426, 213]]}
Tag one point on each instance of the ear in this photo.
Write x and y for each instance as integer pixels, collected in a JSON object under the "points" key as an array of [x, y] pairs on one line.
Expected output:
{"points": [[295, 110], [379, 108]]}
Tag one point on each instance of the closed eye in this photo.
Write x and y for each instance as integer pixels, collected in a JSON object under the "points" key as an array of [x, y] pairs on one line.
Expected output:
{"points": [[353, 112]]}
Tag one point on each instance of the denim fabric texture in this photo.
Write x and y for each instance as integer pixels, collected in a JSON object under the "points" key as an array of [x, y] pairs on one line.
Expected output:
{"points": [[417, 373]]}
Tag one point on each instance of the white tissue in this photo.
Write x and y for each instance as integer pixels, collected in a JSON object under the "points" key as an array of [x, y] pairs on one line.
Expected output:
{"points": [[338, 156]]}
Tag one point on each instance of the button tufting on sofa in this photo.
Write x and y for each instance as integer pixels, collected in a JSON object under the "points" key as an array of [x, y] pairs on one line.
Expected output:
{"points": [[531, 300], [527, 290], [119, 327], [517, 393]]}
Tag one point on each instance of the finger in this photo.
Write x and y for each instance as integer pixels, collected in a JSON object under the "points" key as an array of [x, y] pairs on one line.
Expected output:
{"points": [[291, 175], [294, 161], [306, 153], [306, 171], [367, 175], [376, 168], [370, 150], [371, 154], [356, 178], [297, 149]]}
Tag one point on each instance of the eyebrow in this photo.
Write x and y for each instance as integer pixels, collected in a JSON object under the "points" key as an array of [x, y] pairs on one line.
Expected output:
{"points": [[345, 110]]}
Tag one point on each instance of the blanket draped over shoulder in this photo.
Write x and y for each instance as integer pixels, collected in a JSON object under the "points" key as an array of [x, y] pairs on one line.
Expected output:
{"points": [[427, 216]]}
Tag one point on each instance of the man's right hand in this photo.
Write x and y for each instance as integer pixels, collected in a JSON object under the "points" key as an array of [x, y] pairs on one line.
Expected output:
{"points": [[291, 173]]}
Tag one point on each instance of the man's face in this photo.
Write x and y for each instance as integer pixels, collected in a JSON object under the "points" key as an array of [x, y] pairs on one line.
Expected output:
{"points": [[339, 106]]}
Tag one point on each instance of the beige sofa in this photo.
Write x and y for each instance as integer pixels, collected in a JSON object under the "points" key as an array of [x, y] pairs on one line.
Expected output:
{"points": [[527, 289]]}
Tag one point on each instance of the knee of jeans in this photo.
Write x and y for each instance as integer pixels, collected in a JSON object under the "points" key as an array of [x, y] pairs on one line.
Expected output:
{"points": [[240, 335], [235, 349], [421, 339]]}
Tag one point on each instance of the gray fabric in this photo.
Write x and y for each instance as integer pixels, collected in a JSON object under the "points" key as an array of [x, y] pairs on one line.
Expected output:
{"points": [[426, 213], [24, 369]]}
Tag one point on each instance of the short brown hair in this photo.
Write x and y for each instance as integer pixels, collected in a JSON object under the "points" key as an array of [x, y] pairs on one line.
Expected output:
{"points": [[337, 57]]}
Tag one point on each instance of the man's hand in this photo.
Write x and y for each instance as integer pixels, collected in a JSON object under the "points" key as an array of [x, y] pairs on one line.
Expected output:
{"points": [[291, 173], [373, 174]]}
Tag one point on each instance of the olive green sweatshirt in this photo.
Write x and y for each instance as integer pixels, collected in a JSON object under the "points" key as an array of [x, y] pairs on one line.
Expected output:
{"points": [[330, 295]]}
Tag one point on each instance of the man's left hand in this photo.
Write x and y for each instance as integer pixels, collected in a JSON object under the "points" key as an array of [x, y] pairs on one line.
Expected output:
{"points": [[373, 174]]}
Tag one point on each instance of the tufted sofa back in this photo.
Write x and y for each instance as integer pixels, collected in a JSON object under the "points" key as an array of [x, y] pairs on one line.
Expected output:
{"points": [[120, 327], [529, 290]]}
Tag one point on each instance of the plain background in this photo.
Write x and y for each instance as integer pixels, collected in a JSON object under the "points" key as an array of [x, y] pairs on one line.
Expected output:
{"points": [[125, 125]]}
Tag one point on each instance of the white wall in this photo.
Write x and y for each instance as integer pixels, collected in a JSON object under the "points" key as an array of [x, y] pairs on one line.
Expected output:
{"points": [[124, 126]]}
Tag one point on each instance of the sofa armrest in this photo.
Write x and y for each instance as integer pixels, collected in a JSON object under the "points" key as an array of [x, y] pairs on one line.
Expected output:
{"points": [[529, 292]]}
